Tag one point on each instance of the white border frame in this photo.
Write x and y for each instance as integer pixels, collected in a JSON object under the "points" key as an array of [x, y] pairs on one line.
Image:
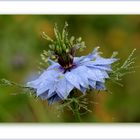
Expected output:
{"points": [[69, 131], [69, 7]]}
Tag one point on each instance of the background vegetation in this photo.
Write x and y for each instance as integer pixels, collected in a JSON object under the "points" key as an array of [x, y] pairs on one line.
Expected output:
{"points": [[20, 48]]}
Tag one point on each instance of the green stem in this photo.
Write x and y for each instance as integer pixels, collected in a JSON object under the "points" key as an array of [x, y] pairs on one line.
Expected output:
{"points": [[76, 111], [74, 106]]}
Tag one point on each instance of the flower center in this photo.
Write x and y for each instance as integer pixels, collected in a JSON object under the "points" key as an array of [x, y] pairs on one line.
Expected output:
{"points": [[64, 48], [65, 59]]}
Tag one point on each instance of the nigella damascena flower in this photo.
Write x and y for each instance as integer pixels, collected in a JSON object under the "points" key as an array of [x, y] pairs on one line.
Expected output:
{"points": [[70, 72], [56, 83]]}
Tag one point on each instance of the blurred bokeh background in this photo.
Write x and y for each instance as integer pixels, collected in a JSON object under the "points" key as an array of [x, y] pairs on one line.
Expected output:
{"points": [[20, 48]]}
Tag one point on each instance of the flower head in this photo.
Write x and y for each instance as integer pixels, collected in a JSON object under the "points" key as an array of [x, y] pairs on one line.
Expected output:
{"points": [[69, 72]]}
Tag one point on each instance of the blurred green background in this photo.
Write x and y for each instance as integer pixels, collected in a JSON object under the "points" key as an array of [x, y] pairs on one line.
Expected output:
{"points": [[20, 47]]}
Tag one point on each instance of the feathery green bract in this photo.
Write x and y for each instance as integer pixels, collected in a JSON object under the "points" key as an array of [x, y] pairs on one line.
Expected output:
{"points": [[120, 70]]}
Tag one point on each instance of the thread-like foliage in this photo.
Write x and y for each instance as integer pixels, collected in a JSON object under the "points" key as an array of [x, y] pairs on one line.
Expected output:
{"points": [[81, 102], [120, 70]]}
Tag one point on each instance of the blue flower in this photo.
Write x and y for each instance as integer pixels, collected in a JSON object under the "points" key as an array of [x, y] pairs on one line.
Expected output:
{"points": [[86, 72]]}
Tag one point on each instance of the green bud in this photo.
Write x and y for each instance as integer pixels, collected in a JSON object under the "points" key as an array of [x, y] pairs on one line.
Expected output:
{"points": [[52, 47], [66, 24], [45, 53], [57, 48], [45, 36], [53, 56], [81, 49], [49, 52], [60, 49], [83, 45], [79, 39], [114, 54], [57, 34], [64, 32], [64, 47], [72, 40], [67, 50]]}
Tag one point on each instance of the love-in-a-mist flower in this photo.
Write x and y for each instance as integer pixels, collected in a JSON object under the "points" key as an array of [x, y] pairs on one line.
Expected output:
{"points": [[69, 72]]}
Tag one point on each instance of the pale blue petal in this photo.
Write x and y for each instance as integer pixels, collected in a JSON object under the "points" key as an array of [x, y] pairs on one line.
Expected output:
{"points": [[45, 96], [47, 74], [54, 99], [46, 85], [93, 74], [54, 66], [93, 55], [52, 62], [100, 74], [80, 71], [81, 75], [100, 86], [92, 83], [52, 89], [104, 61], [45, 81], [95, 51], [63, 87], [78, 77], [77, 60], [73, 79], [104, 74], [86, 58], [83, 89], [102, 67]]}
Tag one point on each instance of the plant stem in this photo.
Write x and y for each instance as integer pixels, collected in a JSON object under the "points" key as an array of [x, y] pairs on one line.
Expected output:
{"points": [[74, 106], [76, 111]]}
